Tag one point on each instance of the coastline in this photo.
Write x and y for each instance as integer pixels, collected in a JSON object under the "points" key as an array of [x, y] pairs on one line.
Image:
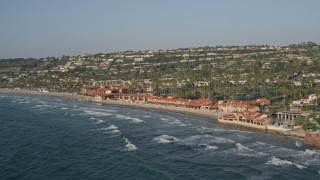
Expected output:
{"points": [[202, 113], [88, 99]]}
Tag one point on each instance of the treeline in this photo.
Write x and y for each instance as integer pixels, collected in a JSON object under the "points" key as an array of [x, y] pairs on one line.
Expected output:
{"points": [[19, 62]]}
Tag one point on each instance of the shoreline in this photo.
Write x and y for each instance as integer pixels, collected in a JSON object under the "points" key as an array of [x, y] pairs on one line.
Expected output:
{"points": [[88, 99]]}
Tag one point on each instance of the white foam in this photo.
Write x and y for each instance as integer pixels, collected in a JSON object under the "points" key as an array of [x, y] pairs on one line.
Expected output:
{"points": [[164, 139], [42, 102], [43, 105], [208, 147], [113, 132], [245, 151], [283, 163], [64, 108], [218, 129], [311, 152], [308, 157], [131, 119], [99, 121], [242, 147], [205, 139], [147, 116], [129, 146], [95, 113], [164, 119], [112, 129], [173, 121], [299, 143], [97, 110]]}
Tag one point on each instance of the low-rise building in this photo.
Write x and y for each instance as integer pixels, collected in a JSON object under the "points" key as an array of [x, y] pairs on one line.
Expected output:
{"points": [[305, 101], [248, 119]]}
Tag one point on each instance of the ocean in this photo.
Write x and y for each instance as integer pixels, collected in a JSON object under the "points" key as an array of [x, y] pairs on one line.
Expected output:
{"points": [[50, 138]]}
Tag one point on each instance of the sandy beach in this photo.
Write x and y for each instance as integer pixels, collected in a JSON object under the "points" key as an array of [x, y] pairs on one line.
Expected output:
{"points": [[82, 98], [202, 113]]}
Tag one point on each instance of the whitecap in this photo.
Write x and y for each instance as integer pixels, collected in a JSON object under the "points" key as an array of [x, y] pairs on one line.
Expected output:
{"points": [[95, 113], [308, 157], [97, 110], [164, 139], [245, 151], [173, 121], [205, 139], [133, 120], [275, 150], [64, 108], [116, 131], [129, 145], [112, 129], [99, 121], [283, 163], [208, 147], [43, 102], [299, 143], [164, 119], [311, 152], [43, 105], [242, 147]]}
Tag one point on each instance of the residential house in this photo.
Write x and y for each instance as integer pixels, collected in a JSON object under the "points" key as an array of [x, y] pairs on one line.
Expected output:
{"points": [[248, 119]]}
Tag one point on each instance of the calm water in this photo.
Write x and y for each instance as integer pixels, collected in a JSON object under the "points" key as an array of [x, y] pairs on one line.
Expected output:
{"points": [[48, 138]]}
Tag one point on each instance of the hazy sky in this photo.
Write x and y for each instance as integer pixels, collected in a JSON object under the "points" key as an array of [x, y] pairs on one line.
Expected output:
{"points": [[41, 28]]}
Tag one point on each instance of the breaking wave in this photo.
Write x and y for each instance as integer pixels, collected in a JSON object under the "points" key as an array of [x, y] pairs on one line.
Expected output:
{"points": [[97, 121], [129, 146], [283, 163], [131, 119], [193, 141], [98, 110], [208, 147], [164, 139], [205, 139], [112, 129], [95, 113], [173, 121], [246, 151]]}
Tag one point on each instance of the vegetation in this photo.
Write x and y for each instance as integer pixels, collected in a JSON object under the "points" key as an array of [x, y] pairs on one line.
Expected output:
{"points": [[312, 122], [282, 74]]}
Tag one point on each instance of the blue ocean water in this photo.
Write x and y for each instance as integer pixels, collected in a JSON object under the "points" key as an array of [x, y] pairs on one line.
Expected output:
{"points": [[49, 138]]}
